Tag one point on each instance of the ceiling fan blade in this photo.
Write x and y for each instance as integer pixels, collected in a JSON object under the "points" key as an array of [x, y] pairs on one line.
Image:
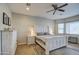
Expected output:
{"points": [[54, 6], [61, 10], [63, 5], [50, 11], [54, 12]]}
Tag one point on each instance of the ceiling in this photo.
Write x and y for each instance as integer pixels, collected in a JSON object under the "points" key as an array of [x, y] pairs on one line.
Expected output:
{"points": [[39, 10]]}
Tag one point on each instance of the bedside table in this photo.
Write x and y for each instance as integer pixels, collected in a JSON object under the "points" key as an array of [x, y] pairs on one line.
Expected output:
{"points": [[31, 39]]}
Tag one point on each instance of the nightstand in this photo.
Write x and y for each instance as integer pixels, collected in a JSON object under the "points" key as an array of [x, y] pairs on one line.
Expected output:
{"points": [[31, 39]]}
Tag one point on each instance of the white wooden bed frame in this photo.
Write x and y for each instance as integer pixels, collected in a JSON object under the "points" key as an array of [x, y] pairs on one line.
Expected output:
{"points": [[53, 43]]}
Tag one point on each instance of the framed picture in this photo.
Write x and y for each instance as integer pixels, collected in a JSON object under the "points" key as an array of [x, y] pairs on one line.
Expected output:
{"points": [[5, 19], [9, 22]]}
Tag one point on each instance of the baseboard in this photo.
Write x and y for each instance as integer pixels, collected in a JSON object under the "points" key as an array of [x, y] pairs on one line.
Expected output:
{"points": [[21, 43]]}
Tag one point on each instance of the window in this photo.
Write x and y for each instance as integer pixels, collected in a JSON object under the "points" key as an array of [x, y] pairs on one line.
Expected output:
{"points": [[72, 27], [67, 28], [61, 28]]}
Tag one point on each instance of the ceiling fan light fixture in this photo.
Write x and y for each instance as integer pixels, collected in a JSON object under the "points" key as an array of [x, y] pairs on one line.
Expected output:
{"points": [[27, 8]]}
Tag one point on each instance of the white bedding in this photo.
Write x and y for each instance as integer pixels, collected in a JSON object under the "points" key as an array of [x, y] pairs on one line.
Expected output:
{"points": [[45, 37]]}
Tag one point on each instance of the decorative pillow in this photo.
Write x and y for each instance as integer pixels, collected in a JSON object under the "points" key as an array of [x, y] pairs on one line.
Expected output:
{"points": [[41, 33], [46, 33]]}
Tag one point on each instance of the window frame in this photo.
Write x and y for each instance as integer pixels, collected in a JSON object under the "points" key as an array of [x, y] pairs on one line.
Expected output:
{"points": [[58, 28]]}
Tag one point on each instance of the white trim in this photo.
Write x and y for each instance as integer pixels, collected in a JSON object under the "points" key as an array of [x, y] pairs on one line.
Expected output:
{"points": [[21, 43]]}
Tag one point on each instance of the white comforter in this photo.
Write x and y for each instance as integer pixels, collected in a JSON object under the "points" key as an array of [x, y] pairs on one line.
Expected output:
{"points": [[45, 37]]}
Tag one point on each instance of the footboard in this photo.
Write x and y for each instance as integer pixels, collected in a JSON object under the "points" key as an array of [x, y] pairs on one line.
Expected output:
{"points": [[52, 42], [55, 42]]}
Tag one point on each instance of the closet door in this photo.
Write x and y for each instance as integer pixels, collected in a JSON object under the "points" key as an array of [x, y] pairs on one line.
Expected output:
{"points": [[6, 43]]}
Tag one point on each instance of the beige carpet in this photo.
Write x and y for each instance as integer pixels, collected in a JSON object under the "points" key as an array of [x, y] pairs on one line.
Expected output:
{"points": [[25, 50], [37, 50]]}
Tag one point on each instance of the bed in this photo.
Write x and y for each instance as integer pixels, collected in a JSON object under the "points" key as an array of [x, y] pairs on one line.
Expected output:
{"points": [[48, 41], [51, 42]]}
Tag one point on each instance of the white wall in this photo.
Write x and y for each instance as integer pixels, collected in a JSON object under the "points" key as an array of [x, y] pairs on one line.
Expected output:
{"points": [[4, 8], [21, 23]]}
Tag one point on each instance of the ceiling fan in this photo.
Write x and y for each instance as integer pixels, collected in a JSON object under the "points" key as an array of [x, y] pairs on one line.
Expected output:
{"points": [[28, 6], [55, 6]]}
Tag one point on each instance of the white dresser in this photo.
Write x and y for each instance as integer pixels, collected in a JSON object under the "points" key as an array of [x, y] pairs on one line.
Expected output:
{"points": [[31, 40], [8, 42]]}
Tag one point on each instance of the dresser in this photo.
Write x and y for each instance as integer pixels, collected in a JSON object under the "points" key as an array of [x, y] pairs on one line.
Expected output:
{"points": [[8, 42]]}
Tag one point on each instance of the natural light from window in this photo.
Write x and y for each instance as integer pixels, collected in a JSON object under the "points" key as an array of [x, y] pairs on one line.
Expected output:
{"points": [[61, 28], [72, 28]]}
